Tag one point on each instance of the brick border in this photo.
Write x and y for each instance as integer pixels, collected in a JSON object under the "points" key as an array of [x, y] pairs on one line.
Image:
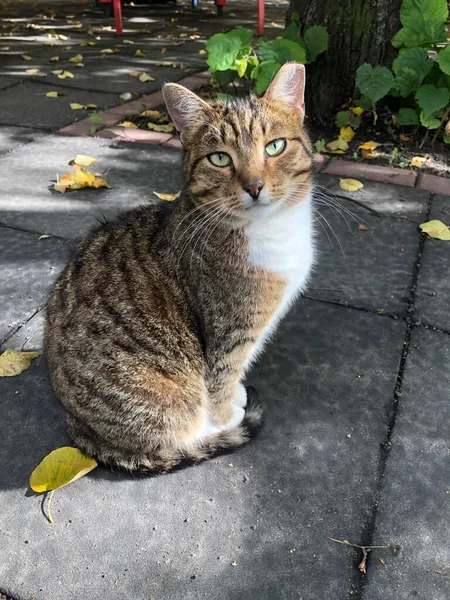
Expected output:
{"points": [[322, 162]]}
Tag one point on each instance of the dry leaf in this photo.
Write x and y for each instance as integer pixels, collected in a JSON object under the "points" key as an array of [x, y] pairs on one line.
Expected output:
{"points": [[107, 51], [54, 59], [169, 128], [63, 74], [13, 362], [4, 48], [151, 114], [79, 65], [44, 236], [418, 161], [367, 149], [134, 73], [346, 133], [168, 197], [163, 50], [362, 565], [27, 57], [380, 560], [92, 43], [127, 42], [357, 110], [76, 59], [59, 468], [78, 179], [202, 51], [350, 185], [76, 106], [139, 54], [144, 77], [54, 94], [362, 227], [34, 71], [405, 138], [128, 125], [436, 229], [83, 161], [167, 63], [338, 146]]}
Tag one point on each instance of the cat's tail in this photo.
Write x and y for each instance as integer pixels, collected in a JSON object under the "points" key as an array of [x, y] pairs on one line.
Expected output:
{"points": [[171, 459]]}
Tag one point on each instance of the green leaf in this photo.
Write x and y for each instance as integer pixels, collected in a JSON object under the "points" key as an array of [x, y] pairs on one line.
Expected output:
{"points": [[447, 139], [431, 99], [429, 10], [429, 121], [295, 18], [374, 82], [224, 48], [241, 66], [413, 58], [282, 51], [408, 81], [345, 118], [264, 73], [444, 60], [316, 39], [224, 78], [407, 116], [291, 32], [423, 23]]}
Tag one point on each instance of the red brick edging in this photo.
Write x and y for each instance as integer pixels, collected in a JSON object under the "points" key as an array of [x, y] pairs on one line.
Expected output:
{"points": [[323, 163]]}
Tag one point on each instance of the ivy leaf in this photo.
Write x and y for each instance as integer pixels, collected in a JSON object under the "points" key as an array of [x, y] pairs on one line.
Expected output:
{"points": [[264, 73], [444, 60], [282, 51], [374, 82], [407, 116], [431, 99], [316, 39]]}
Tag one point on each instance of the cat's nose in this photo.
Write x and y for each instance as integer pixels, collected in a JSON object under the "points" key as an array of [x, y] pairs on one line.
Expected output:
{"points": [[253, 188]]}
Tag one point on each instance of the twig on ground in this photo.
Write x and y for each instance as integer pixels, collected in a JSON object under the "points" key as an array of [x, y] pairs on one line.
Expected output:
{"points": [[396, 548]]}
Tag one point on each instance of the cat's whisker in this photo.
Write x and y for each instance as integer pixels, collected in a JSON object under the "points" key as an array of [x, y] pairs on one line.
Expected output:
{"points": [[332, 230]]}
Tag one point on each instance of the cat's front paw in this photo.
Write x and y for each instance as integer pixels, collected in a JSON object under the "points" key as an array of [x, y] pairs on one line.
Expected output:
{"points": [[240, 396]]}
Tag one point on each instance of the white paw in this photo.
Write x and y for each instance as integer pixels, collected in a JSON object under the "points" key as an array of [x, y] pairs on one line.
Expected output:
{"points": [[238, 414], [240, 396]]}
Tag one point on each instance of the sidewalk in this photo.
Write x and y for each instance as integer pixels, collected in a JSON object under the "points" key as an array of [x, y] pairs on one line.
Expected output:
{"points": [[355, 384]]}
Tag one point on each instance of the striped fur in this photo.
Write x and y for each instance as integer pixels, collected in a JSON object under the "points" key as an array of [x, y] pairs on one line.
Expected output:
{"points": [[157, 316]]}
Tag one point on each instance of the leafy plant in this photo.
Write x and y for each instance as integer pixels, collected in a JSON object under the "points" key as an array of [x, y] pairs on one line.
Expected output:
{"points": [[420, 75], [237, 55]]}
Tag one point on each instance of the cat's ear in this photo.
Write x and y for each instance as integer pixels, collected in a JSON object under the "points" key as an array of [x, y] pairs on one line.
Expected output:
{"points": [[288, 86], [185, 108]]}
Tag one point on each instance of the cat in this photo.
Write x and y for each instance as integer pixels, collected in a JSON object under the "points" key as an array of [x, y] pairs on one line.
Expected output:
{"points": [[157, 317]]}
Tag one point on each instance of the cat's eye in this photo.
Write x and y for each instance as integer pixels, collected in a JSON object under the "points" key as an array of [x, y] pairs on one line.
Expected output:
{"points": [[220, 159], [276, 147]]}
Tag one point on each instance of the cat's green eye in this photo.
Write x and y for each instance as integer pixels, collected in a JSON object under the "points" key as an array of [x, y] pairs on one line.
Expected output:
{"points": [[276, 147], [220, 159]]}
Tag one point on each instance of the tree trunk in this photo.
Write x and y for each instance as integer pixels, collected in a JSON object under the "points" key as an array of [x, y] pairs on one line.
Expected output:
{"points": [[359, 31]]}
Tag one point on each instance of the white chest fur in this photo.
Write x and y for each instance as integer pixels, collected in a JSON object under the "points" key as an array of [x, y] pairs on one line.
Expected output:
{"points": [[283, 244]]}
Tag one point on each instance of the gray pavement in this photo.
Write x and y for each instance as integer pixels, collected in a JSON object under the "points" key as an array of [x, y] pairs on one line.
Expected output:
{"points": [[355, 386]]}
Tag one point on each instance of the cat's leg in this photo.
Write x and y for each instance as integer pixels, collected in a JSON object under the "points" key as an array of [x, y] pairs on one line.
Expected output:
{"points": [[240, 396]]}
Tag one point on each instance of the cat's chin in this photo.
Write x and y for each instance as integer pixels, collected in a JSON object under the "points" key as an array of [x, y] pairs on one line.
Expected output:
{"points": [[257, 212]]}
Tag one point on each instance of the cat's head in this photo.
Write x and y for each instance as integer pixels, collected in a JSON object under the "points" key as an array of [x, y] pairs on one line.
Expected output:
{"points": [[250, 156]]}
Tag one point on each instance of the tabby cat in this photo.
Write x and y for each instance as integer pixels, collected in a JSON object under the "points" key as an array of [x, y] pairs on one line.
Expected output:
{"points": [[155, 320]]}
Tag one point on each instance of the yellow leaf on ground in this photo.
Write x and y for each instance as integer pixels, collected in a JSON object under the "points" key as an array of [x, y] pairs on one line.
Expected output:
{"points": [[53, 94], [367, 149], [139, 54], [168, 197], [34, 71], [76, 59], [90, 106], [202, 51], [92, 43], [107, 51], [60, 467], [54, 59], [338, 146], [144, 77], [418, 161], [76, 106], [350, 185], [436, 229], [27, 57], [4, 48], [169, 128], [44, 236], [151, 114], [83, 160], [13, 362], [357, 110], [62, 74], [128, 125], [134, 73], [79, 65], [127, 42], [346, 133], [78, 179]]}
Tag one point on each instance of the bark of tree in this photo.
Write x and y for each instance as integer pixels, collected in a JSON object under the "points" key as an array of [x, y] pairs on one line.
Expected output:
{"points": [[359, 31]]}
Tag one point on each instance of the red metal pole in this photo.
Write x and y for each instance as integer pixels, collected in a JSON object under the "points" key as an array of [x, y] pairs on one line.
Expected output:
{"points": [[261, 16], [118, 16]]}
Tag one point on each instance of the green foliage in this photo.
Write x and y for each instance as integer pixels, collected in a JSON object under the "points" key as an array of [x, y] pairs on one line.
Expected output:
{"points": [[236, 54], [420, 84], [345, 118]]}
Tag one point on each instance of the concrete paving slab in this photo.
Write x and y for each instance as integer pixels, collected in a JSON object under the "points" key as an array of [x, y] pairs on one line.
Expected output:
{"points": [[370, 269], [433, 288], [14, 137], [6, 82], [135, 171], [414, 510], [28, 268], [255, 524], [26, 104], [382, 199]]}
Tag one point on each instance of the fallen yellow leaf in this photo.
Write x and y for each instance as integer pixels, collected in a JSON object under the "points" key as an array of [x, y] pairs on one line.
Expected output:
{"points": [[436, 229], [79, 65], [144, 77], [34, 71], [134, 73], [202, 51], [62, 74], [78, 179], [418, 161], [128, 125], [106, 51], [139, 54], [169, 128], [27, 57], [151, 113], [367, 149], [168, 197], [92, 43], [44, 236], [59, 468], [13, 362], [350, 185], [4, 48], [76, 106], [338, 146], [76, 59], [357, 110], [346, 133], [83, 161], [127, 42], [54, 59]]}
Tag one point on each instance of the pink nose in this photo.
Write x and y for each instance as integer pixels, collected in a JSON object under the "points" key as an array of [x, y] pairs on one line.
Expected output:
{"points": [[253, 188]]}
